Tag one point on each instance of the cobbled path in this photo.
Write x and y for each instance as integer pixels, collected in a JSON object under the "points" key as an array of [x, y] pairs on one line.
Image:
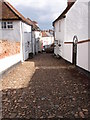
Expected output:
{"points": [[45, 87]]}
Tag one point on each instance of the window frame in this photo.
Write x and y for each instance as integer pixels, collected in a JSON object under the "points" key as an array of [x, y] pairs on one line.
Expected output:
{"points": [[6, 24]]}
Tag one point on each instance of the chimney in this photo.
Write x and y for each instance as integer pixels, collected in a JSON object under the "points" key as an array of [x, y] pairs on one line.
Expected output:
{"points": [[70, 1]]}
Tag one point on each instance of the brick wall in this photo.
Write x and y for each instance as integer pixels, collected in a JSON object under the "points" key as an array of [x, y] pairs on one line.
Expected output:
{"points": [[8, 48]]}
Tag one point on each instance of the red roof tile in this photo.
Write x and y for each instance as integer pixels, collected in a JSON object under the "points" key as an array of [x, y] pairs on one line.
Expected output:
{"points": [[44, 34]]}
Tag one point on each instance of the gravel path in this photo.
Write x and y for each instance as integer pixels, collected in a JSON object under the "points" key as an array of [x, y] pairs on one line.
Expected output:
{"points": [[45, 87]]}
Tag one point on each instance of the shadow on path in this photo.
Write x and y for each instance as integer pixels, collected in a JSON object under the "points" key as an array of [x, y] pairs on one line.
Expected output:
{"points": [[56, 90]]}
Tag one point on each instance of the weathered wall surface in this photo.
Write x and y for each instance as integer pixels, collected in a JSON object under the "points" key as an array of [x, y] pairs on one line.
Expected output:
{"points": [[8, 48]]}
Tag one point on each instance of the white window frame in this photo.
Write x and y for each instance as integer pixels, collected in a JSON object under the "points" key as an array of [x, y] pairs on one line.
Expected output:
{"points": [[6, 25]]}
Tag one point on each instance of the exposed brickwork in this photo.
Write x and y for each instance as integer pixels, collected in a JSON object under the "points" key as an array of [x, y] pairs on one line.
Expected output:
{"points": [[8, 48]]}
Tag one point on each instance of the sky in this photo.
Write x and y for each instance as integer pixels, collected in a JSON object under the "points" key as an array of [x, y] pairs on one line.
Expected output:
{"points": [[42, 11]]}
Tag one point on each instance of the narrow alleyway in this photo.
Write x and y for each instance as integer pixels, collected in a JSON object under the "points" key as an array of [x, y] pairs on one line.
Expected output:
{"points": [[45, 87]]}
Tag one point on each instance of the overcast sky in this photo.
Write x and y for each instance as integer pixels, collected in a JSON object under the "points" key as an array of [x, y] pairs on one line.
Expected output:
{"points": [[42, 11]]}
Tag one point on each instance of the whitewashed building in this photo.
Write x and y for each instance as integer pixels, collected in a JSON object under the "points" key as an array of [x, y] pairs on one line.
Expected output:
{"points": [[15, 36], [47, 38], [36, 37], [72, 38]]}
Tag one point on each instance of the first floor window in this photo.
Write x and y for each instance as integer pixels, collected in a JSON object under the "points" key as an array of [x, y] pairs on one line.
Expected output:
{"points": [[7, 25], [3, 25]]}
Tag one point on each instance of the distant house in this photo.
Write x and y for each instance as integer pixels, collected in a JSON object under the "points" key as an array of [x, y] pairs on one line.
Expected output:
{"points": [[36, 37], [72, 38], [47, 38]]}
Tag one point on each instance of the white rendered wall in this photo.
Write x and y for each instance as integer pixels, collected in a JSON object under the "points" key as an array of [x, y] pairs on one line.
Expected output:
{"points": [[60, 36], [89, 56], [33, 40], [38, 41], [77, 24], [47, 40], [82, 55], [25, 37], [7, 62], [37, 34], [68, 52], [11, 34], [89, 35], [26, 27]]}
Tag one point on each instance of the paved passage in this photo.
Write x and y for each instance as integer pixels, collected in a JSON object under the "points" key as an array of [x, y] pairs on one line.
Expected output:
{"points": [[45, 87]]}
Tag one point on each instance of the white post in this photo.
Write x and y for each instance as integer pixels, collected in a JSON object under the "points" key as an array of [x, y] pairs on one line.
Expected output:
{"points": [[21, 41]]}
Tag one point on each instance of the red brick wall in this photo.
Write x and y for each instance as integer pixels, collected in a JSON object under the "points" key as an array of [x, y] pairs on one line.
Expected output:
{"points": [[8, 48]]}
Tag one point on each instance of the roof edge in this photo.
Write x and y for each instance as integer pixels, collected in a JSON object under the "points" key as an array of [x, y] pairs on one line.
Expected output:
{"points": [[16, 12], [63, 14]]}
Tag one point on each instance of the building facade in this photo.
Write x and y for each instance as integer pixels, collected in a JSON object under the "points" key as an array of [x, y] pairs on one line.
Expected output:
{"points": [[72, 34]]}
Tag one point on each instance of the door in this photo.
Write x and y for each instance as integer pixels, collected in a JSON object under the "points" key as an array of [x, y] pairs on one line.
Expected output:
{"points": [[56, 47], [75, 41], [27, 45]]}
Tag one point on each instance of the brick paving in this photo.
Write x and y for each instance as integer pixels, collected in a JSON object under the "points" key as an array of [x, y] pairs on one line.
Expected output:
{"points": [[45, 87]]}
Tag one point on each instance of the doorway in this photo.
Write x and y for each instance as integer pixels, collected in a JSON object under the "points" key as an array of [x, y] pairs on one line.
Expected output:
{"points": [[75, 41]]}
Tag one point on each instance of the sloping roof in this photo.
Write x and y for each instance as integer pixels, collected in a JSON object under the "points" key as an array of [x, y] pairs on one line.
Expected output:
{"points": [[33, 23], [44, 34], [63, 15], [10, 13]]}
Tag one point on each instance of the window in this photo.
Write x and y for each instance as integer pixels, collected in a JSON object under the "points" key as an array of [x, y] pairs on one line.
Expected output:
{"points": [[9, 24], [6, 25], [59, 26]]}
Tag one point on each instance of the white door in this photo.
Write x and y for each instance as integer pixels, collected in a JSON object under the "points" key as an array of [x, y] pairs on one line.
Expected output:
{"points": [[56, 50], [27, 45]]}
